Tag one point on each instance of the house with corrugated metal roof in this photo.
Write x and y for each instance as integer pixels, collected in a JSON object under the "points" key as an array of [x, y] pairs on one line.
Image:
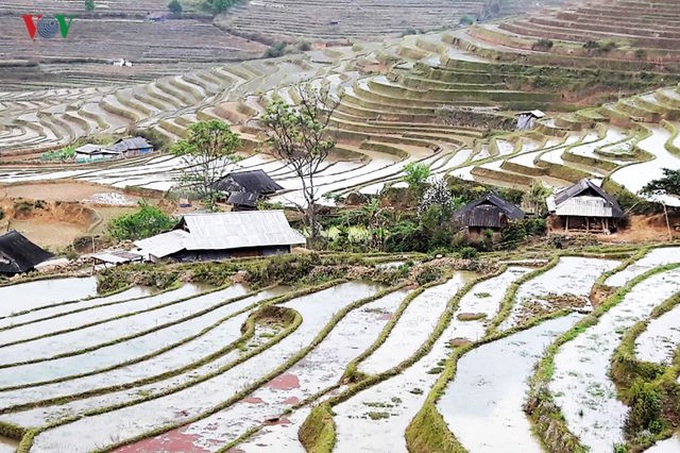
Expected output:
{"points": [[585, 206], [217, 236], [489, 212], [19, 255], [90, 152], [244, 189], [133, 146]]}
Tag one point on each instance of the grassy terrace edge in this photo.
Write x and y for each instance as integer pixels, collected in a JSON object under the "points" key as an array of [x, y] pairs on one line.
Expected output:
{"points": [[650, 389], [264, 379], [317, 433], [545, 415], [28, 435]]}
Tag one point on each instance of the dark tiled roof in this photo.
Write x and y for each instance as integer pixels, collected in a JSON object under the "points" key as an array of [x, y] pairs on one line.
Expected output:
{"points": [[18, 254], [487, 212], [586, 187], [244, 199], [253, 181]]}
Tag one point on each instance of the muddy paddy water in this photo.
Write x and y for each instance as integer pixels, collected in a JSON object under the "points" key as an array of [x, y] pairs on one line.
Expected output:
{"points": [[100, 431], [659, 342], [670, 445], [581, 385], [415, 325], [483, 404], [13, 298], [572, 277], [655, 258], [8, 445]]}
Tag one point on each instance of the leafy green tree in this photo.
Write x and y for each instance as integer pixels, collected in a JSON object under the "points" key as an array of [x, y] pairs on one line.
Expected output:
{"points": [[535, 198], [415, 175], [175, 7], [90, 5], [218, 6], [299, 136], [147, 221], [209, 147], [668, 185]]}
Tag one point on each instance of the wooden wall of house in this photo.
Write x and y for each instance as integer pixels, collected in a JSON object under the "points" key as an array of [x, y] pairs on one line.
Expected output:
{"points": [[218, 255]]}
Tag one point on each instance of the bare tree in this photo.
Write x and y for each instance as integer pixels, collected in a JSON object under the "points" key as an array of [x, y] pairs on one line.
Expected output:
{"points": [[299, 135]]}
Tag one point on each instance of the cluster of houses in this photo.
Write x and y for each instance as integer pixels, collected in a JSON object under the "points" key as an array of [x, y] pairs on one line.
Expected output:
{"points": [[583, 206], [124, 147], [245, 233]]}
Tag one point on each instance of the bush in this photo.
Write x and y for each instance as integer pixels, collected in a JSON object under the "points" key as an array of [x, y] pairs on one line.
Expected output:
{"points": [[535, 227], [645, 409], [542, 44], [513, 233], [466, 20], [277, 49], [429, 274], [147, 221], [175, 7], [468, 253]]}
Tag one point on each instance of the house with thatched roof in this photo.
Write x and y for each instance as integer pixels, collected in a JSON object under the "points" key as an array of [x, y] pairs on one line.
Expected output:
{"points": [[19, 255], [585, 206], [489, 212]]}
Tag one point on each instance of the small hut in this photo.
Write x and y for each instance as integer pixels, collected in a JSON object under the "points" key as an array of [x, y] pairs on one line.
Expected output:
{"points": [[19, 255], [527, 120], [128, 147], [489, 212], [244, 189], [585, 206]]}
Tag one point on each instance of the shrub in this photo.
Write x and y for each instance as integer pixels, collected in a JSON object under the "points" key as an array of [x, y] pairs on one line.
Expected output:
{"points": [[415, 175], [645, 409], [468, 253], [466, 20], [591, 45], [513, 233], [175, 7], [535, 227], [147, 221], [429, 274], [542, 44], [90, 5], [276, 50], [304, 46]]}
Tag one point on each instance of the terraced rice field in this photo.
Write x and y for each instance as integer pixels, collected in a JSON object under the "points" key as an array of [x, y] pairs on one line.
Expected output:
{"points": [[383, 122], [196, 368]]}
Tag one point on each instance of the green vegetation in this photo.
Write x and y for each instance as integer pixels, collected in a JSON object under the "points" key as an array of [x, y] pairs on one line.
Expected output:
{"points": [[148, 221], [90, 5], [63, 154], [207, 142], [415, 175], [649, 389], [300, 137], [175, 7], [668, 185], [218, 6], [549, 422]]}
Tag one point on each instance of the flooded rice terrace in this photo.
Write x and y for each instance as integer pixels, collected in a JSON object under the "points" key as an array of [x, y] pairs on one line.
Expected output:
{"points": [[202, 369]]}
